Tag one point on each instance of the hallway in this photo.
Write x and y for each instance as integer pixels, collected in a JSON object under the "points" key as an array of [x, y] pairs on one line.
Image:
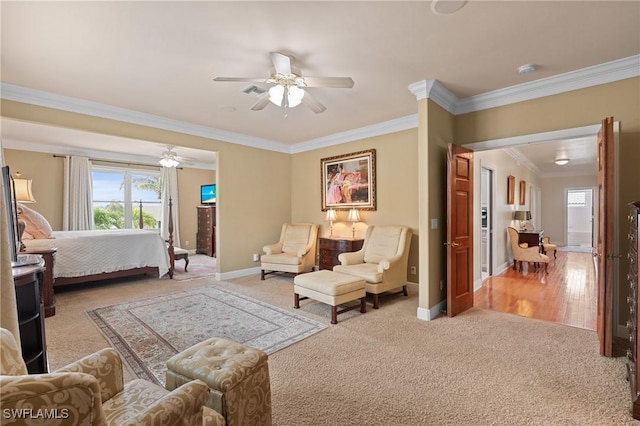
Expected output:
{"points": [[566, 295]]}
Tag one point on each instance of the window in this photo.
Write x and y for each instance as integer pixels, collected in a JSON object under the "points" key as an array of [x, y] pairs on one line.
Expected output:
{"points": [[117, 194], [576, 198]]}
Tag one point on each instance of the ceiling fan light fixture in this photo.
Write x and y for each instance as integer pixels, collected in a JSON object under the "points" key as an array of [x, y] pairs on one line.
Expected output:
{"points": [[294, 95], [169, 159], [562, 161]]}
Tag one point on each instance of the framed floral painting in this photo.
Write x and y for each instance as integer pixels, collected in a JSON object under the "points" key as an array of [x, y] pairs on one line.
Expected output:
{"points": [[349, 181]]}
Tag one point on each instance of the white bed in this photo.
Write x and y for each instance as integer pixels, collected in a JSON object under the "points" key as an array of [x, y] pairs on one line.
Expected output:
{"points": [[93, 255]]}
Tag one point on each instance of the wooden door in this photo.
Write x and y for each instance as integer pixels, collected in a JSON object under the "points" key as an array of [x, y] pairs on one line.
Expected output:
{"points": [[459, 230], [605, 248]]}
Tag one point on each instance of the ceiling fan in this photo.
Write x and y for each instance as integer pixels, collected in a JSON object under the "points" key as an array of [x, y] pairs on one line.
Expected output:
{"points": [[288, 85]]}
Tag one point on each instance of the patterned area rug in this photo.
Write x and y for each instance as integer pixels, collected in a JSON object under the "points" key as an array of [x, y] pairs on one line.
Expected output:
{"points": [[200, 265], [150, 331]]}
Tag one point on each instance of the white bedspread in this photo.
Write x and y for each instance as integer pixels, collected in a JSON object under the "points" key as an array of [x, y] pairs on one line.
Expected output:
{"points": [[93, 252]]}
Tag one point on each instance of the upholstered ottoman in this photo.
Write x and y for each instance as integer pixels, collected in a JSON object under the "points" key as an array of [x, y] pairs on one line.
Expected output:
{"points": [[238, 376], [331, 288]]}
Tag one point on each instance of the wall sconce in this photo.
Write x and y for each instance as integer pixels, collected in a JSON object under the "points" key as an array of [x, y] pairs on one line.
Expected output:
{"points": [[354, 216], [331, 217]]}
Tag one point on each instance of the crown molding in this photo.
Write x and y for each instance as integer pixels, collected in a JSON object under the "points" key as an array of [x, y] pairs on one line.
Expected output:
{"points": [[41, 98], [392, 126], [524, 161], [432, 89], [587, 77], [436, 91]]}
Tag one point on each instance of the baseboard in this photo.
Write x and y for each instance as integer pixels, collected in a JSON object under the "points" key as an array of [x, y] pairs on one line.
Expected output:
{"points": [[433, 312], [239, 273], [502, 268], [477, 285]]}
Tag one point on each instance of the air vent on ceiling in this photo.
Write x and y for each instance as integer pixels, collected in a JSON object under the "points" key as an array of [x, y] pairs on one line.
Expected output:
{"points": [[254, 89]]}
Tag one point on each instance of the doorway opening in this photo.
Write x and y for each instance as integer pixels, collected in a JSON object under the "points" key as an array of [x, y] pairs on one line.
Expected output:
{"points": [[486, 228]]}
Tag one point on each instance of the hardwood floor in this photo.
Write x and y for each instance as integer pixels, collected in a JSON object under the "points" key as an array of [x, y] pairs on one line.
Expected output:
{"points": [[566, 295]]}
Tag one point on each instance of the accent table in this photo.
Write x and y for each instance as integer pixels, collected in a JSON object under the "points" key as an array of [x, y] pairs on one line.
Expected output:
{"points": [[533, 238], [331, 247]]}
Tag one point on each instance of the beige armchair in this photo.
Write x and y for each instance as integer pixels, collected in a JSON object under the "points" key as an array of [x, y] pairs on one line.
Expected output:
{"points": [[91, 392], [524, 253], [295, 252], [547, 245], [382, 261]]}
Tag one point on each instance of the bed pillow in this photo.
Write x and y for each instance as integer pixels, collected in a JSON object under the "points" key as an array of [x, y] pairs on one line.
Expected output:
{"points": [[37, 225]]}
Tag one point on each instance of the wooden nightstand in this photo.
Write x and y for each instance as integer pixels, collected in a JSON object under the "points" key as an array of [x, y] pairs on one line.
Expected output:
{"points": [[330, 248], [48, 298]]}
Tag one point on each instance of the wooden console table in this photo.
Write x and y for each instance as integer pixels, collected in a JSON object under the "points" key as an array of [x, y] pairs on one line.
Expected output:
{"points": [[533, 238], [330, 248], [48, 297]]}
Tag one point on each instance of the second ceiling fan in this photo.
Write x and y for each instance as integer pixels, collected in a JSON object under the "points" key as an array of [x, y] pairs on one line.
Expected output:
{"points": [[288, 88]]}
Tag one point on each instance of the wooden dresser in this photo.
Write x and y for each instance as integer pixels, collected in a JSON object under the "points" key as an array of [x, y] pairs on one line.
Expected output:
{"points": [[633, 373], [330, 248], [206, 237], [27, 281]]}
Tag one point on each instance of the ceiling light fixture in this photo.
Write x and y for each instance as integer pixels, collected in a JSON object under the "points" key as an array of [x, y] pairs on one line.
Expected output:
{"points": [[293, 98], [447, 7], [526, 69], [562, 161], [169, 159]]}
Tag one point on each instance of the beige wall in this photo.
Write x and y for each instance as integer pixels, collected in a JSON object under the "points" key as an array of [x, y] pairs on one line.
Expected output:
{"points": [[254, 194], [554, 219], [577, 108], [396, 187]]}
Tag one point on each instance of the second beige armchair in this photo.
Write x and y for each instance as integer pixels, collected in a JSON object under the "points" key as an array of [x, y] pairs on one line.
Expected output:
{"points": [[295, 252], [524, 253], [382, 261]]}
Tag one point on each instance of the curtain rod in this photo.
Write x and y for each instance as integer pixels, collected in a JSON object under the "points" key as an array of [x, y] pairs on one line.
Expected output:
{"points": [[128, 163]]}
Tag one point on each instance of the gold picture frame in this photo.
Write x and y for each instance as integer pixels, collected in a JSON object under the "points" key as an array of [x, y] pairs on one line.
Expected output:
{"points": [[511, 189], [349, 181], [523, 192]]}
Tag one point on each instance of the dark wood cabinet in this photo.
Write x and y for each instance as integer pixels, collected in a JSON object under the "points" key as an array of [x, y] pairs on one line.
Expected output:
{"points": [[48, 282], [633, 374], [330, 248], [533, 238], [27, 281], [206, 237]]}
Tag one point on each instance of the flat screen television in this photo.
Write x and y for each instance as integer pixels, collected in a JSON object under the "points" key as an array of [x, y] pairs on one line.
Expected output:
{"points": [[208, 194]]}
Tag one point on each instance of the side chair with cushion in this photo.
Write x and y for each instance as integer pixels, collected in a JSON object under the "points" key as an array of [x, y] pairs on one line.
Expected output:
{"points": [[382, 261], [524, 253], [547, 246], [295, 252], [92, 391]]}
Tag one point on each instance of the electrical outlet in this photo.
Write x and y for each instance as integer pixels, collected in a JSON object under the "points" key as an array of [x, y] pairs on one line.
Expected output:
{"points": [[256, 257], [414, 270], [186, 243]]}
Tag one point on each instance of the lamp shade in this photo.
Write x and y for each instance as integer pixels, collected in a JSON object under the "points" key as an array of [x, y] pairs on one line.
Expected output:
{"points": [[294, 95], [331, 215], [23, 190], [354, 216], [522, 215]]}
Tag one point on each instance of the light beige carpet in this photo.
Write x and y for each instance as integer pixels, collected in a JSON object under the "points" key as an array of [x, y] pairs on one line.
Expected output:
{"points": [[387, 367]]}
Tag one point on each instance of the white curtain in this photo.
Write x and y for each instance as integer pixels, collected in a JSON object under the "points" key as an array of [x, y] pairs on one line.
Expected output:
{"points": [[77, 212], [170, 190]]}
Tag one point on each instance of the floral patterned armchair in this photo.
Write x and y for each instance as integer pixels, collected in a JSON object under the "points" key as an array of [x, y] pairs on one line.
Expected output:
{"points": [[91, 391]]}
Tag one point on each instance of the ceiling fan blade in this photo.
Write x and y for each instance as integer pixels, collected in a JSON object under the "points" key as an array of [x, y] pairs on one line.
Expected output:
{"points": [[312, 103], [255, 80], [281, 63], [339, 82], [263, 101]]}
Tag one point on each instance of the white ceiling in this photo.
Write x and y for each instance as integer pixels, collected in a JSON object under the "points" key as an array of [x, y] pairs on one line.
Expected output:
{"points": [[159, 58]]}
